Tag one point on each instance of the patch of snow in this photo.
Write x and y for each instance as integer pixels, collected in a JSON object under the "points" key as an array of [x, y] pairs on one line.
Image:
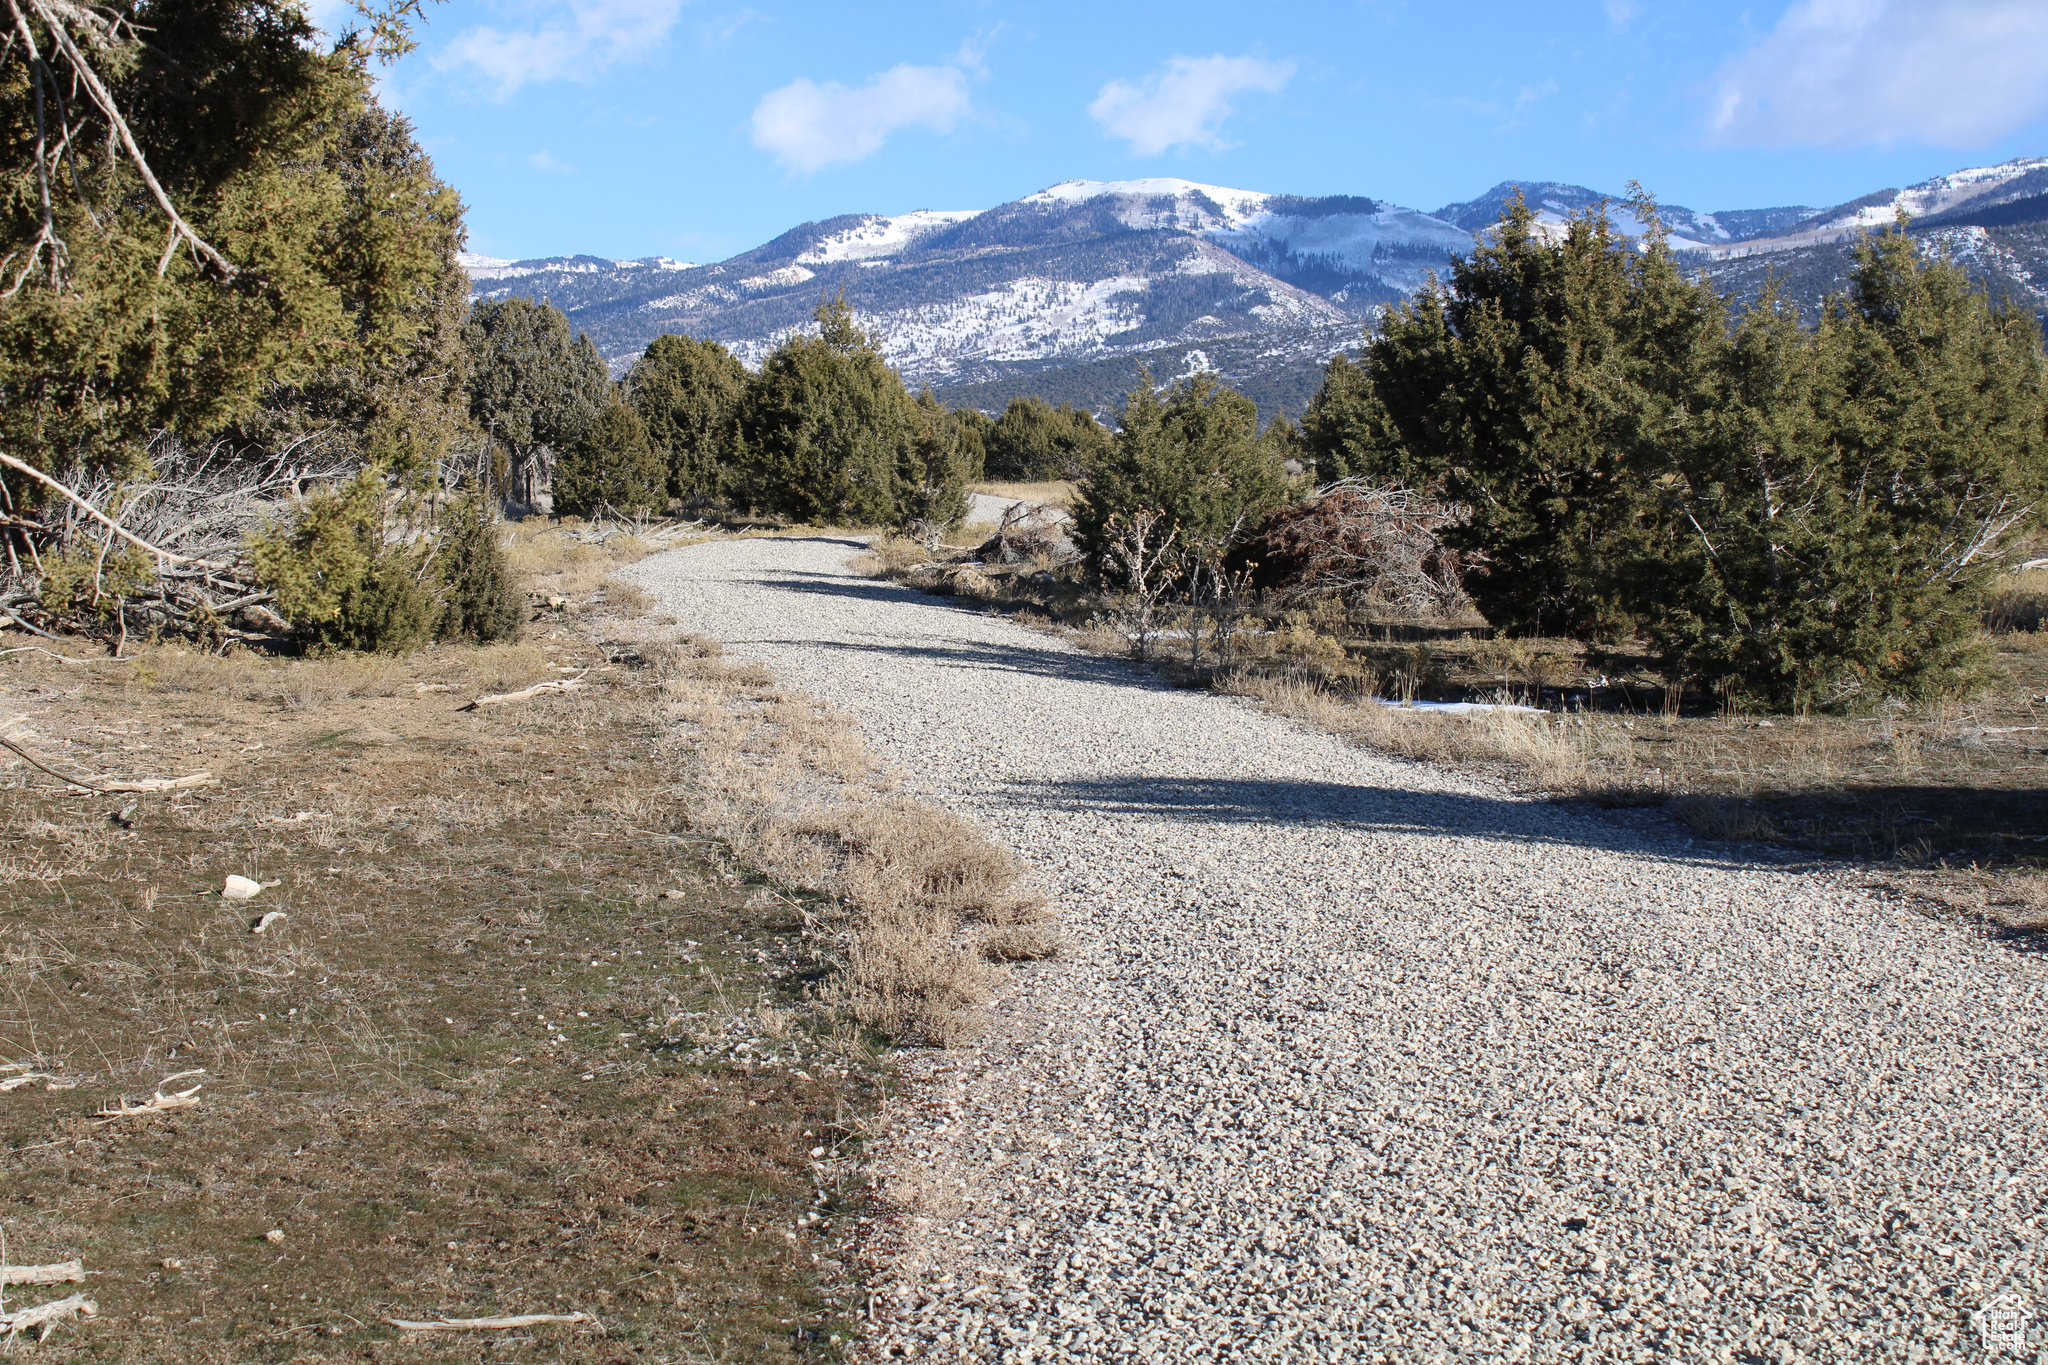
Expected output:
{"points": [[779, 279], [1456, 708], [880, 236]]}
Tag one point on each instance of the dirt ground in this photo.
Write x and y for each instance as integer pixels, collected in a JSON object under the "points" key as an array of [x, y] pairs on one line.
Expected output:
{"points": [[521, 1044]]}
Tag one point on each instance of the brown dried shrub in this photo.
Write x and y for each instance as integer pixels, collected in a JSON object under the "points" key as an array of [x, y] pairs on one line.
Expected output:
{"points": [[1376, 547]]}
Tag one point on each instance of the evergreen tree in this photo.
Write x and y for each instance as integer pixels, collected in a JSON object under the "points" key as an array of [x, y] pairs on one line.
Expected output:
{"points": [[975, 427], [1195, 459], [1830, 528], [687, 390], [533, 388], [936, 468], [483, 602], [1345, 436], [1533, 390], [319, 237], [611, 467], [826, 429], [1035, 440]]}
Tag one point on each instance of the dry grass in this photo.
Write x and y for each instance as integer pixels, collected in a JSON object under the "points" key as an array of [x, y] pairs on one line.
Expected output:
{"points": [[1056, 493], [537, 1033], [520, 1045], [2019, 603], [1550, 753], [915, 903]]}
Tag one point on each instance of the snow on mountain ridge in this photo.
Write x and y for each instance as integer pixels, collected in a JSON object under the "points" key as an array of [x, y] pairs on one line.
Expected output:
{"points": [[879, 235]]}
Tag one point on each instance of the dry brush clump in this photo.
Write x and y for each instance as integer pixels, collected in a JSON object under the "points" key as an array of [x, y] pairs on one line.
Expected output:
{"points": [[913, 905]]}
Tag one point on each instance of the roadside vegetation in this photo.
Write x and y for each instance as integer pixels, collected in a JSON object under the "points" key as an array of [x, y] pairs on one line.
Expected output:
{"points": [[400, 927]]}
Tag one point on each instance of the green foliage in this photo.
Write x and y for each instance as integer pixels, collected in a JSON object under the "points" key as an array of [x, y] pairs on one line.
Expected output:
{"points": [[1035, 440], [975, 426], [611, 467], [1800, 518], [1827, 530], [276, 154], [686, 392], [326, 554], [482, 602], [346, 581], [936, 468], [1531, 390], [1194, 459], [533, 387], [827, 433]]}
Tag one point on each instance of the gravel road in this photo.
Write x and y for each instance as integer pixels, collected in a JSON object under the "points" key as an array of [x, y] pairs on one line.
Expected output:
{"points": [[1354, 1058]]}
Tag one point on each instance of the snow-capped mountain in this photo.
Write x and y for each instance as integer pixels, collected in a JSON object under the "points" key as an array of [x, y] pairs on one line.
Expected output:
{"points": [[1934, 202], [1068, 291]]}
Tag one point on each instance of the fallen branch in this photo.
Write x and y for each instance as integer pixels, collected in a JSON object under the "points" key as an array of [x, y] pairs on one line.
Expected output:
{"points": [[63, 1272], [31, 629], [60, 658], [103, 784], [528, 693], [159, 784], [488, 1324], [47, 1315], [27, 1078], [158, 1103], [40, 477]]}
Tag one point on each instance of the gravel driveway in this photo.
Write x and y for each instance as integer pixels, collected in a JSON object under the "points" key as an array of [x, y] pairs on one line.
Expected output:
{"points": [[1354, 1058]]}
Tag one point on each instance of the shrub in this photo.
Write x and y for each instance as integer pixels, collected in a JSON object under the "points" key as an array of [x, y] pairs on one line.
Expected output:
{"points": [[1034, 440], [346, 579], [482, 603]]}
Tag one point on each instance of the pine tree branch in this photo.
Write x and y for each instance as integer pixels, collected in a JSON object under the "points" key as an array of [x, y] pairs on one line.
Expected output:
{"points": [[59, 18]]}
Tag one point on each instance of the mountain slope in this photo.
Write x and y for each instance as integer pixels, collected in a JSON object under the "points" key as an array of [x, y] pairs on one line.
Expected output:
{"points": [[1068, 292]]}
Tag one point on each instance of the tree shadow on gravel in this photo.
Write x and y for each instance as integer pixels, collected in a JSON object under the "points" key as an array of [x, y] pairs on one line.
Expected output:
{"points": [[1451, 815]]}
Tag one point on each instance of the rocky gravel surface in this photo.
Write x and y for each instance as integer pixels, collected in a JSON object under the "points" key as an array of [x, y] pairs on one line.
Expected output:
{"points": [[1355, 1059]]}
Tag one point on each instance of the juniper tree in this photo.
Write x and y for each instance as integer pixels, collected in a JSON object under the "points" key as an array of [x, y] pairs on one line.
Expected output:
{"points": [[191, 221], [1192, 462], [1828, 530], [686, 391], [1035, 440], [534, 388], [935, 467], [1530, 390], [827, 432], [611, 468]]}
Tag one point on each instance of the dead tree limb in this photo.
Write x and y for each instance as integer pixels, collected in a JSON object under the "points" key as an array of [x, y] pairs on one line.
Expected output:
{"points": [[528, 693], [62, 1272], [47, 1315], [40, 477], [488, 1324], [105, 784]]}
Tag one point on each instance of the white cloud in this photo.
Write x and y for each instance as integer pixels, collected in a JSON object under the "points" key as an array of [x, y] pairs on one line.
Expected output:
{"points": [[1619, 12], [1957, 73], [1184, 101], [581, 40], [544, 160], [720, 30], [810, 126]]}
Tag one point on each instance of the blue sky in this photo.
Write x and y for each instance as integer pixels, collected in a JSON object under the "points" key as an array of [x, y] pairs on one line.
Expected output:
{"points": [[699, 128]]}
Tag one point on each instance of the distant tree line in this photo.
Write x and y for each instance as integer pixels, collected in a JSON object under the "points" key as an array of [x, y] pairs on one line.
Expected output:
{"points": [[824, 431], [1595, 445]]}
